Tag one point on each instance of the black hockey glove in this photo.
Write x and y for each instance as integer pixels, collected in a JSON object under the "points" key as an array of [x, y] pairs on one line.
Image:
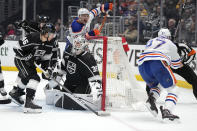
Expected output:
{"points": [[23, 24]]}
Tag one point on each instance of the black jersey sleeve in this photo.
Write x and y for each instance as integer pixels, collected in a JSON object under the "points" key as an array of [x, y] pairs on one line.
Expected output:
{"points": [[55, 54], [29, 26]]}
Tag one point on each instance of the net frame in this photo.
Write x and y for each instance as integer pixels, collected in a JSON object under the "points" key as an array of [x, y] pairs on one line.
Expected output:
{"points": [[104, 67], [136, 106]]}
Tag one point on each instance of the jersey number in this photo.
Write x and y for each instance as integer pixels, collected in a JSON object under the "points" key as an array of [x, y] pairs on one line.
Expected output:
{"points": [[161, 42], [25, 41]]}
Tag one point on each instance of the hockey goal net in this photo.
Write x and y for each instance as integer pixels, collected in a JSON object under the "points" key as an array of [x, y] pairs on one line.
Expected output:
{"points": [[120, 88]]}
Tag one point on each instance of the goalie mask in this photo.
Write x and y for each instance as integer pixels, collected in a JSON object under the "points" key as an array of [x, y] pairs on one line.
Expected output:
{"points": [[78, 45]]}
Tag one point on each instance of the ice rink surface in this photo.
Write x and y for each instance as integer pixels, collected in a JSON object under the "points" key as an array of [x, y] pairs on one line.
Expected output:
{"points": [[12, 117]]}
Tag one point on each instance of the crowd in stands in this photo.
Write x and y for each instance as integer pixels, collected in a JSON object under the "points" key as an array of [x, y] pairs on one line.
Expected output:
{"points": [[130, 24], [151, 21]]}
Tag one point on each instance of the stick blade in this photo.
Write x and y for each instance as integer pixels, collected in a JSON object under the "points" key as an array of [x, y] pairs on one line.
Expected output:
{"points": [[103, 113]]}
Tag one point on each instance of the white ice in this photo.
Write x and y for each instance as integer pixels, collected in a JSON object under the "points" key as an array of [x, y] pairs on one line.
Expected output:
{"points": [[12, 117]]}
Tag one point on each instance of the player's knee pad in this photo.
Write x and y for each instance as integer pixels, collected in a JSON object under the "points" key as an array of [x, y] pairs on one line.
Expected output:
{"points": [[32, 84]]}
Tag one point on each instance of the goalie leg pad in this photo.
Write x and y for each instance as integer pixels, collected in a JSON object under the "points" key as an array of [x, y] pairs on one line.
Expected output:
{"points": [[74, 102]]}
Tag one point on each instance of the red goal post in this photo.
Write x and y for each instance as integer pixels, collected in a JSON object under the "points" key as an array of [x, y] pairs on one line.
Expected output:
{"points": [[104, 66]]}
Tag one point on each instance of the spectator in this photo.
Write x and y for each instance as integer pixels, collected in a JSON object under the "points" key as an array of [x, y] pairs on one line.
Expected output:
{"points": [[132, 10], [170, 10], [126, 6], [57, 29], [191, 30], [172, 26], [131, 32], [10, 35]]}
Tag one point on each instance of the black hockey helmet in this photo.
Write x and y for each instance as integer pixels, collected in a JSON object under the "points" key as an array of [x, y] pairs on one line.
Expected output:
{"points": [[48, 28], [43, 18]]}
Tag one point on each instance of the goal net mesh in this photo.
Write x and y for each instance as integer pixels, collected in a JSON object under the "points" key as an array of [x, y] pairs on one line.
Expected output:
{"points": [[120, 88]]}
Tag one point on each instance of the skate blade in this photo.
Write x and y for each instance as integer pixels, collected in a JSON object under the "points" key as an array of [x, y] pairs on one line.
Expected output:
{"points": [[154, 113], [168, 121], [13, 100], [29, 110], [5, 101]]}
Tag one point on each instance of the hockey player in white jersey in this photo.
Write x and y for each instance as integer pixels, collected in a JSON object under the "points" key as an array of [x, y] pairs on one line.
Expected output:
{"points": [[81, 25], [154, 66]]}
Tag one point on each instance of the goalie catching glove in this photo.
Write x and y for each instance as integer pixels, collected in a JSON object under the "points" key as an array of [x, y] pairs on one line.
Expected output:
{"points": [[96, 90]]}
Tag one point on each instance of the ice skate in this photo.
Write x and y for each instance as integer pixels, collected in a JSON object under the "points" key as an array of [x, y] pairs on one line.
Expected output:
{"points": [[151, 106], [167, 116], [30, 107], [16, 94], [3, 97]]}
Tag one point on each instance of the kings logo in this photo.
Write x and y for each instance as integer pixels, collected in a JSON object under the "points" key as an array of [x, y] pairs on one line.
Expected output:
{"points": [[71, 67]]}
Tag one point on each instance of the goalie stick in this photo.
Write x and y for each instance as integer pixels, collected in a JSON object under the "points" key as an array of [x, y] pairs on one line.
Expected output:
{"points": [[79, 99]]}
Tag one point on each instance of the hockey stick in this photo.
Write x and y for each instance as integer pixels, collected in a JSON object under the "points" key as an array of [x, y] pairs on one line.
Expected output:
{"points": [[80, 100], [103, 22]]}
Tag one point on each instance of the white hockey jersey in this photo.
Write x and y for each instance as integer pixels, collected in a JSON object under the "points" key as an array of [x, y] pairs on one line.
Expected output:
{"points": [[77, 29], [161, 48]]}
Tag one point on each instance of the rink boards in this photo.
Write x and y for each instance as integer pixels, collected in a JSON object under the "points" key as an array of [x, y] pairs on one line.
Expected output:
{"points": [[7, 59]]}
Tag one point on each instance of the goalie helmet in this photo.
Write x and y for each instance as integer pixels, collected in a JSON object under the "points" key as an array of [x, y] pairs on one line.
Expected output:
{"points": [[78, 45], [164, 32], [82, 11]]}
